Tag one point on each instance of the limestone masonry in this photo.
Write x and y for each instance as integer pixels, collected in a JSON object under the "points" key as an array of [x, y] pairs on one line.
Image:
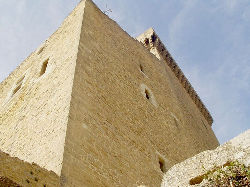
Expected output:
{"points": [[237, 149], [92, 106]]}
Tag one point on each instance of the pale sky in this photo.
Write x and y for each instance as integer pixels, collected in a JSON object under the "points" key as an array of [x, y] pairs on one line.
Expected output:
{"points": [[210, 40]]}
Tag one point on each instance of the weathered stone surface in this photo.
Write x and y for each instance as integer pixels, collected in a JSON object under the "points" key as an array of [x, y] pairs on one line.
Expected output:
{"points": [[15, 172], [153, 43], [237, 149], [128, 112], [34, 105], [97, 108], [6, 182]]}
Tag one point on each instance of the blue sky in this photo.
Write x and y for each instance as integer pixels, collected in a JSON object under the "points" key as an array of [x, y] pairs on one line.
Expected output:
{"points": [[210, 40]]}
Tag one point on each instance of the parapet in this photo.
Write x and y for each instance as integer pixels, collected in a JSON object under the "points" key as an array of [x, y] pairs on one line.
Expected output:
{"points": [[153, 43]]}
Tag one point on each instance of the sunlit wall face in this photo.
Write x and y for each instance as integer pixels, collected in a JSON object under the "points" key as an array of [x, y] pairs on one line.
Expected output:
{"points": [[208, 39]]}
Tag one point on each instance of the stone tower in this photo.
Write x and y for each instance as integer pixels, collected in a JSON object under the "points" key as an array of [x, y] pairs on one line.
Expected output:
{"points": [[95, 108]]}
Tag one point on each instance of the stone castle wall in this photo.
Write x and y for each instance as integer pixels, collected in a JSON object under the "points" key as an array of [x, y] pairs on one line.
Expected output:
{"points": [[34, 99], [94, 106], [153, 43], [130, 118]]}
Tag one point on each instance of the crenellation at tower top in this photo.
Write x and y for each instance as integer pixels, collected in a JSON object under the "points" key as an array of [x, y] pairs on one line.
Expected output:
{"points": [[153, 43]]}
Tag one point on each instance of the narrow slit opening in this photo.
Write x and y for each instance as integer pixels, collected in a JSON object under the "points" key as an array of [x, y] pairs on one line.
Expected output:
{"points": [[147, 95], [44, 67], [141, 68], [162, 165], [16, 89], [18, 85], [40, 50], [20, 80]]}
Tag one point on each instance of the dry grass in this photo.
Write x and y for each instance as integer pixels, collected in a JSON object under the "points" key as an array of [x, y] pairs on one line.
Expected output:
{"points": [[231, 174]]}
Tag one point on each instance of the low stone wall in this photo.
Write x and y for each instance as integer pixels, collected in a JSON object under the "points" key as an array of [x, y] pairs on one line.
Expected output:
{"points": [[15, 172], [190, 172]]}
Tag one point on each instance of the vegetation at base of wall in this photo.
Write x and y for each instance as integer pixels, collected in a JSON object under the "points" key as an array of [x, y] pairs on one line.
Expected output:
{"points": [[233, 174]]}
